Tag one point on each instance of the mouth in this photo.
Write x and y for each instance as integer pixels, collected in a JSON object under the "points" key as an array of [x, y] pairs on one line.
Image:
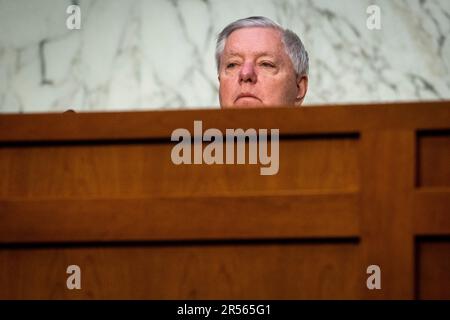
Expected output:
{"points": [[246, 95]]}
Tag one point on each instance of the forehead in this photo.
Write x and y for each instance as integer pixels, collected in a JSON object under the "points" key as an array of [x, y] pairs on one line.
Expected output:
{"points": [[254, 40]]}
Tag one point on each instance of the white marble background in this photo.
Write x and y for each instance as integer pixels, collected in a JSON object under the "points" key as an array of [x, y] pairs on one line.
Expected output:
{"points": [[140, 54]]}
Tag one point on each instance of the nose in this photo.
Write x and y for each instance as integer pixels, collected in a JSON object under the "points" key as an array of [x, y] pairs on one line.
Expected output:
{"points": [[247, 73]]}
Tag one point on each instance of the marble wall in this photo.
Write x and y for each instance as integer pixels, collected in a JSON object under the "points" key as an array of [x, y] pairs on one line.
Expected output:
{"points": [[156, 54]]}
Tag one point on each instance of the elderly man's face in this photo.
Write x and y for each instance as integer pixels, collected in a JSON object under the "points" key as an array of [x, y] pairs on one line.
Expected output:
{"points": [[255, 71]]}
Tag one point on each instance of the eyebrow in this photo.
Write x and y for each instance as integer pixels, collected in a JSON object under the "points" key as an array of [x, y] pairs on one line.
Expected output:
{"points": [[258, 54]]}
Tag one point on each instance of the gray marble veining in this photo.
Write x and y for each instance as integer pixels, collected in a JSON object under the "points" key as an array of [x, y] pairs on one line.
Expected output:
{"points": [[158, 54]]}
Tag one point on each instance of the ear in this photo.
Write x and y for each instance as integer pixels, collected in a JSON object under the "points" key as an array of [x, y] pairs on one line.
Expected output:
{"points": [[302, 88]]}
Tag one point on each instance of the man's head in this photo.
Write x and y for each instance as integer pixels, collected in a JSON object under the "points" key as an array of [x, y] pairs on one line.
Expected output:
{"points": [[259, 63]]}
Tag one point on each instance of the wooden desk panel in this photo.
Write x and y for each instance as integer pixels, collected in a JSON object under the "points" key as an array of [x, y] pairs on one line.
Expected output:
{"points": [[137, 169], [433, 159], [357, 185], [185, 271], [433, 268]]}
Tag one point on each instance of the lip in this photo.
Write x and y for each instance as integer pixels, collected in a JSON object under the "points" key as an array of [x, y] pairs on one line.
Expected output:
{"points": [[246, 95]]}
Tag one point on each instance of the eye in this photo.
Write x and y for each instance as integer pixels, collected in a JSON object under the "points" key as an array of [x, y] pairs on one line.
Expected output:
{"points": [[267, 64], [231, 65]]}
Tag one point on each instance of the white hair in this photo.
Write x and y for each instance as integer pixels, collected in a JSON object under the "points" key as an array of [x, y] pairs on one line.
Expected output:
{"points": [[292, 43]]}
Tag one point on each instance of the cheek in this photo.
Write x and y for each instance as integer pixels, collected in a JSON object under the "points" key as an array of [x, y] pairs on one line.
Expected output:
{"points": [[272, 87], [278, 91], [226, 89]]}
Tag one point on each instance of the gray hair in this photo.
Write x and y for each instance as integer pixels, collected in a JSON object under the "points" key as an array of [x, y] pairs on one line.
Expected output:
{"points": [[292, 43]]}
